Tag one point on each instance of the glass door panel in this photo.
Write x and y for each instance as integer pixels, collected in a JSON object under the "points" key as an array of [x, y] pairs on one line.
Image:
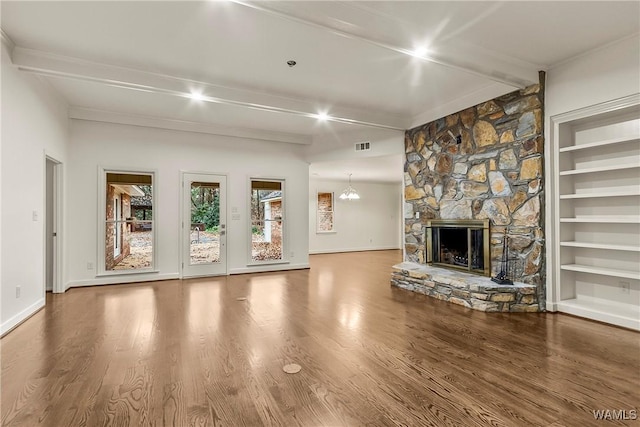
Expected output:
{"points": [[204, 238], [204, 225]]}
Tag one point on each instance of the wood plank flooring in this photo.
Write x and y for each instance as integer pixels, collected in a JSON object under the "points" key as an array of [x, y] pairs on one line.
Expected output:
{"points": [[189, 353]]}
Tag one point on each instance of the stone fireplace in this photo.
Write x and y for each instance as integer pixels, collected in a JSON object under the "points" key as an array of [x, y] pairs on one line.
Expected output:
{"points": [[459, 244], [480, 165]]}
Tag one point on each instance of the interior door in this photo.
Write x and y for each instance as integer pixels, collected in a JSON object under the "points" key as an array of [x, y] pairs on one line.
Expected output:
{"points": [[204, 225]]}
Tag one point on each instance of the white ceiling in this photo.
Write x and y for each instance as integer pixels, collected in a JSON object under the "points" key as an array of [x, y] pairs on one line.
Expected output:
{"points": [[138, 60]]}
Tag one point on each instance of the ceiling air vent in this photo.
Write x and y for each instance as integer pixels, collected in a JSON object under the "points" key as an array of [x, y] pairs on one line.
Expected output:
{"points": [[363, 146]]}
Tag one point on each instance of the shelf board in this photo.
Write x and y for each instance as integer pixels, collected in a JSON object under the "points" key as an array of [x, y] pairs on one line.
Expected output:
{"points": [[627, 248], [611, 193], [600, 169], [626, 315], [612, 141], [612, 219], [611, 272]]}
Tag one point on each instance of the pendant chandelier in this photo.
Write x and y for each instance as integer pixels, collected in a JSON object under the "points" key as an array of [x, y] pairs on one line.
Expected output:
{"points": [[349, 193]]}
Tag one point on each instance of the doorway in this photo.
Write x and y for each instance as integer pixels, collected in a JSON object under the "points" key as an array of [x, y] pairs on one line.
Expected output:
{"points": [[204, 230], [53, 226]]}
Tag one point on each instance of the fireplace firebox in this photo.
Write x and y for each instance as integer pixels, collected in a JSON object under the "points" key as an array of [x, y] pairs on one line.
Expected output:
{"points": [[459, 244]]}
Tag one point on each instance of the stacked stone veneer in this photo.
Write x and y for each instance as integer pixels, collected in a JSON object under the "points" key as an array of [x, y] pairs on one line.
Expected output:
{"points": [[482, 162], [465, 289]]}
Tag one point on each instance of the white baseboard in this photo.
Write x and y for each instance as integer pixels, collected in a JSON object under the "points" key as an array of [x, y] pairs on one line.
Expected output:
{"points": [[114, 280], [335, 251], [552, 306], [267, 268], [16, 320]]}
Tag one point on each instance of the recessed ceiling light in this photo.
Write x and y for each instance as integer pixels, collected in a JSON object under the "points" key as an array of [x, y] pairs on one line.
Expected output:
{"points": [[197, 96], [419, 52], [322, 116]]}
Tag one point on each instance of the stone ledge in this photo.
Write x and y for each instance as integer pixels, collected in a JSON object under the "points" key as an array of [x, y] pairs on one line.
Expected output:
{"points": [[468, 290]]}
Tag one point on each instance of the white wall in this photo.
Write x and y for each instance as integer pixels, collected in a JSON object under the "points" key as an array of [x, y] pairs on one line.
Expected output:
{"points": [[602, 75], [34, 122], [370, 223], [168, 152], [341, 145]]}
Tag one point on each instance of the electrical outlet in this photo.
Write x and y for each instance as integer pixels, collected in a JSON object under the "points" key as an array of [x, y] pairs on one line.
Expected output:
{"points": [[292, 254], [625, 287], [89, 265], [18, 291]]}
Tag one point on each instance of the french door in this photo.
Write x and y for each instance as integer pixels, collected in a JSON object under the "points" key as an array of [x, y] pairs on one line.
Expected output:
{"points": [[204, 247]]}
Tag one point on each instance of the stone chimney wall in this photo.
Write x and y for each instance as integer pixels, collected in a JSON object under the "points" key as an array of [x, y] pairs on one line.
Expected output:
{"points": [[482, 162]]}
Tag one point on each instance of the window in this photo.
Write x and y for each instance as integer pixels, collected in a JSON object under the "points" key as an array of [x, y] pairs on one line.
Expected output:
{"points": [[128, 222], [324, 214], [267, 220]]}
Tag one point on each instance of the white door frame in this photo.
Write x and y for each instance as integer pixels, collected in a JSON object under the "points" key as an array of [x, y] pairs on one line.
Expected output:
{"points": [[58, 215], [222, 267]]}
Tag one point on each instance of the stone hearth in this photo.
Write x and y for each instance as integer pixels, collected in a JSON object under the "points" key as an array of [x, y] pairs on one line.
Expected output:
{"points": [[468, 290]]}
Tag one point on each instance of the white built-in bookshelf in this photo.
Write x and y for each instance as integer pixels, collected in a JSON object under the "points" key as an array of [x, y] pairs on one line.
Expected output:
{"points": [[595, 206]]}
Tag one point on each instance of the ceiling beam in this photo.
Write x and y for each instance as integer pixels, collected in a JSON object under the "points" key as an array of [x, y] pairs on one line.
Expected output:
{"points": [[509, 71], [53, 65]]}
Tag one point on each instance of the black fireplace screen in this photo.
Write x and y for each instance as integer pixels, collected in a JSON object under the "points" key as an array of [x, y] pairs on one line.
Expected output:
{"points": [[460, 244]]}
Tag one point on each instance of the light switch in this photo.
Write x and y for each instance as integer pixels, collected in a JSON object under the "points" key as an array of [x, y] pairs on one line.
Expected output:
{"points": [[34, 215]]}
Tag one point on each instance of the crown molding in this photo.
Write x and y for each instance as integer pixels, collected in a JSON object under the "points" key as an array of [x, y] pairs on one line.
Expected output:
{"points": [[7, 40], [634, 36], [491, 91], [96, 115], [52, 65]]}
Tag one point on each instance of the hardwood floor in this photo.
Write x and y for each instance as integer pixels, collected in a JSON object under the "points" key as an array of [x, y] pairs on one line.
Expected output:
{"points": [[189, 353]]}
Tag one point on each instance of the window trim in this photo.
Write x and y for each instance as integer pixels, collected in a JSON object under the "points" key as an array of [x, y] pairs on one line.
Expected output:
{"points": [[285, 222], [100, 268], [333, 212]]}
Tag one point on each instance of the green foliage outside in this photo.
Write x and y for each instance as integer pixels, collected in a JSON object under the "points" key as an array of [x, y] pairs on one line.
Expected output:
{"points": [[140, 213], [205, 207]]}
